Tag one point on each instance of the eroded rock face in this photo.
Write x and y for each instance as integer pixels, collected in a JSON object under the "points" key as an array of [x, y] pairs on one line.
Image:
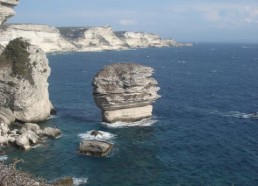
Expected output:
{"points": [[24, 72], [6, 9], [125, 92], [95, 148], [45, 37]]}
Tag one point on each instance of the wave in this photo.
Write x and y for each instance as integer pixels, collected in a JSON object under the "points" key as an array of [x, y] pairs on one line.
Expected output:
{"points": [[3, 158], [103, 136], [237, 114], [141, 123], [79, 181]]}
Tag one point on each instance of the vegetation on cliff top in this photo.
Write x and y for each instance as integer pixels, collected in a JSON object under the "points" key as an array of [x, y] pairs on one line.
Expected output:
{"points": [[16, 56]]}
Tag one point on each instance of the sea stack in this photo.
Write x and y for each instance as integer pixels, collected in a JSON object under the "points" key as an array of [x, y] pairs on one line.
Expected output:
{"points": [[125, 92]]}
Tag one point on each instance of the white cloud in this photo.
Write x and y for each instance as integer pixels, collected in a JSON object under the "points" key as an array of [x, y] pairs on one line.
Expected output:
{"points": [[128, 22], [219, 14]]}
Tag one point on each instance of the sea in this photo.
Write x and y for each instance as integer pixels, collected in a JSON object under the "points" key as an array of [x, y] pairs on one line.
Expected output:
{"points": [[202, 131]]}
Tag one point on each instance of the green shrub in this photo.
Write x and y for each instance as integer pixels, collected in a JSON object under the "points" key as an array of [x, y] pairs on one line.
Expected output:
{"points": [[16, 56]]}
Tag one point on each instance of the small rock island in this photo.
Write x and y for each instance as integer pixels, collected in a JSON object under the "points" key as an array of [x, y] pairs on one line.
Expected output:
{"points": [[125, 92]]}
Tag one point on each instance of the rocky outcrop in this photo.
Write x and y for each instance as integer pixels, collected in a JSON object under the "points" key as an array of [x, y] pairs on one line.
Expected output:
{"points": [[125, 92], [95, 148], [144, 40], [93, 38], [24, 72], [28, 135], [62, 39], [45, 37], [6, 9]]}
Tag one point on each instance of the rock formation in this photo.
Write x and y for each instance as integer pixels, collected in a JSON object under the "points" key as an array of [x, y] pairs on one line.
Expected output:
{"points": [[45, 37], [125, 92], [6, 9], [93, 38], [95, 148], [24, 72], [63, 39]]}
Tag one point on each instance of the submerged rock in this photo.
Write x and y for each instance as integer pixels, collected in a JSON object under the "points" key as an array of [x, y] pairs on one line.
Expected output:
{"points": [[95, 148], [125, 92]]}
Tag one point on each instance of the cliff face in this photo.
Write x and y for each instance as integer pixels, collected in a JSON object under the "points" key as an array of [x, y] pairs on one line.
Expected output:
{"points": [[6, 9], [46, 37], [24, 72], [51, 39], [95, 38]]}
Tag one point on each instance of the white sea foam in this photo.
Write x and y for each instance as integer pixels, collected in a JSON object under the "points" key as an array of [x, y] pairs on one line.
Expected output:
{"points": [[3, 158], [37, 146], [79, 181], [103, 136], [237, 114], [142, 123]]}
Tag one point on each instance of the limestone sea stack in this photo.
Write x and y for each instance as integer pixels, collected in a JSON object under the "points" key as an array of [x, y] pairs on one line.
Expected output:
{"points": [[24, 93], [125, 92]]}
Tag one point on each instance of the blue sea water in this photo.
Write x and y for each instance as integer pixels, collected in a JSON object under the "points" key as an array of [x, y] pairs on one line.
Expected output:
{"points": [[203, 134]]}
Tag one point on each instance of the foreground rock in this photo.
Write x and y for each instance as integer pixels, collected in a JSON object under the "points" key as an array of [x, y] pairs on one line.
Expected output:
{"points": [[24, 72], [29, 135], [95, 148], [125, 92], [9, 176]]}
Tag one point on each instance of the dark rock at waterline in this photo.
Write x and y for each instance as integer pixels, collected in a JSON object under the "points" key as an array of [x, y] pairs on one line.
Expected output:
{"points": [[95, 148], [53, 111], [95, 133], [67, 181]]}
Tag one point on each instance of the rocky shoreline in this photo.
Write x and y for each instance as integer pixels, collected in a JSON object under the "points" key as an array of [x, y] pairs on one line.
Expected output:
{"points": [[9, 175]]}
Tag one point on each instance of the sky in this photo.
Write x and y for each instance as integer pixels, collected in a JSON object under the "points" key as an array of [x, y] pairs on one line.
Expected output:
{"points": [[182, 20]]}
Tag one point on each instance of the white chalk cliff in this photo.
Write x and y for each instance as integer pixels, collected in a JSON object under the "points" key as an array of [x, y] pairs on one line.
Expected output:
{"points": [[45, 37], [94, 38], [51, 39]]}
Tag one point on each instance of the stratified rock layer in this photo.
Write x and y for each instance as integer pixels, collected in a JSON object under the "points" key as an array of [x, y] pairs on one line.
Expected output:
{"points": [[125, 92], [6, 9], [24, 72]]}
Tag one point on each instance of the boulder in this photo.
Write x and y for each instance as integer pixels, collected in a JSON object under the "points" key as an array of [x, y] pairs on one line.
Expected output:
{"points": [[95, 148], [52, 132], [125, 92], [27, 139], [31, 127], [23, 141]]}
